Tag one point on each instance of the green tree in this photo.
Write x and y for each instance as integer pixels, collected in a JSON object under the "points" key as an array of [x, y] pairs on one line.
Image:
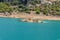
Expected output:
{"points": [[5, 8], [37, 10]]}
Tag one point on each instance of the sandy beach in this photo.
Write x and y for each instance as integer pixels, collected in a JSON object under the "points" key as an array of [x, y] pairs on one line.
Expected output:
{"points": [[40, 17], [32, 16]]}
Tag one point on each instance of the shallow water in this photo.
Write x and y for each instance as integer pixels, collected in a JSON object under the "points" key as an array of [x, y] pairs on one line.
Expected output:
{"points": [[14, 29]]}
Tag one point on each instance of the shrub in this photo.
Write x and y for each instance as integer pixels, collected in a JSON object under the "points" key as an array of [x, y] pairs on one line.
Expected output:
{"points": [[5, 8]]}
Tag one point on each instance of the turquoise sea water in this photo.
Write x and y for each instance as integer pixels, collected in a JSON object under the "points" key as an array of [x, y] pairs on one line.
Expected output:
{"points": [[14, 29]]}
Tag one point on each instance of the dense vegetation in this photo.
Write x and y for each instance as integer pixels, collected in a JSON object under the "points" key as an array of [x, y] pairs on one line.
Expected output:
{"points": [[34, 5], [5, 7]]}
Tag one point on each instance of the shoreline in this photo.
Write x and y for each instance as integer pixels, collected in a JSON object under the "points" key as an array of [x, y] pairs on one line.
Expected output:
{"points": [[32, 17]]}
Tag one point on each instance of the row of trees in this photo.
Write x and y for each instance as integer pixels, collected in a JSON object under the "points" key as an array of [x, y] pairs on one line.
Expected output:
{"points": [[53, 9], [5, 7], [46, 9]]}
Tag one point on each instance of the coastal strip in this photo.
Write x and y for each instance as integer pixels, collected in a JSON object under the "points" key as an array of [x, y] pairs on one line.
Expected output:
{"points": [[32, 17]]}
